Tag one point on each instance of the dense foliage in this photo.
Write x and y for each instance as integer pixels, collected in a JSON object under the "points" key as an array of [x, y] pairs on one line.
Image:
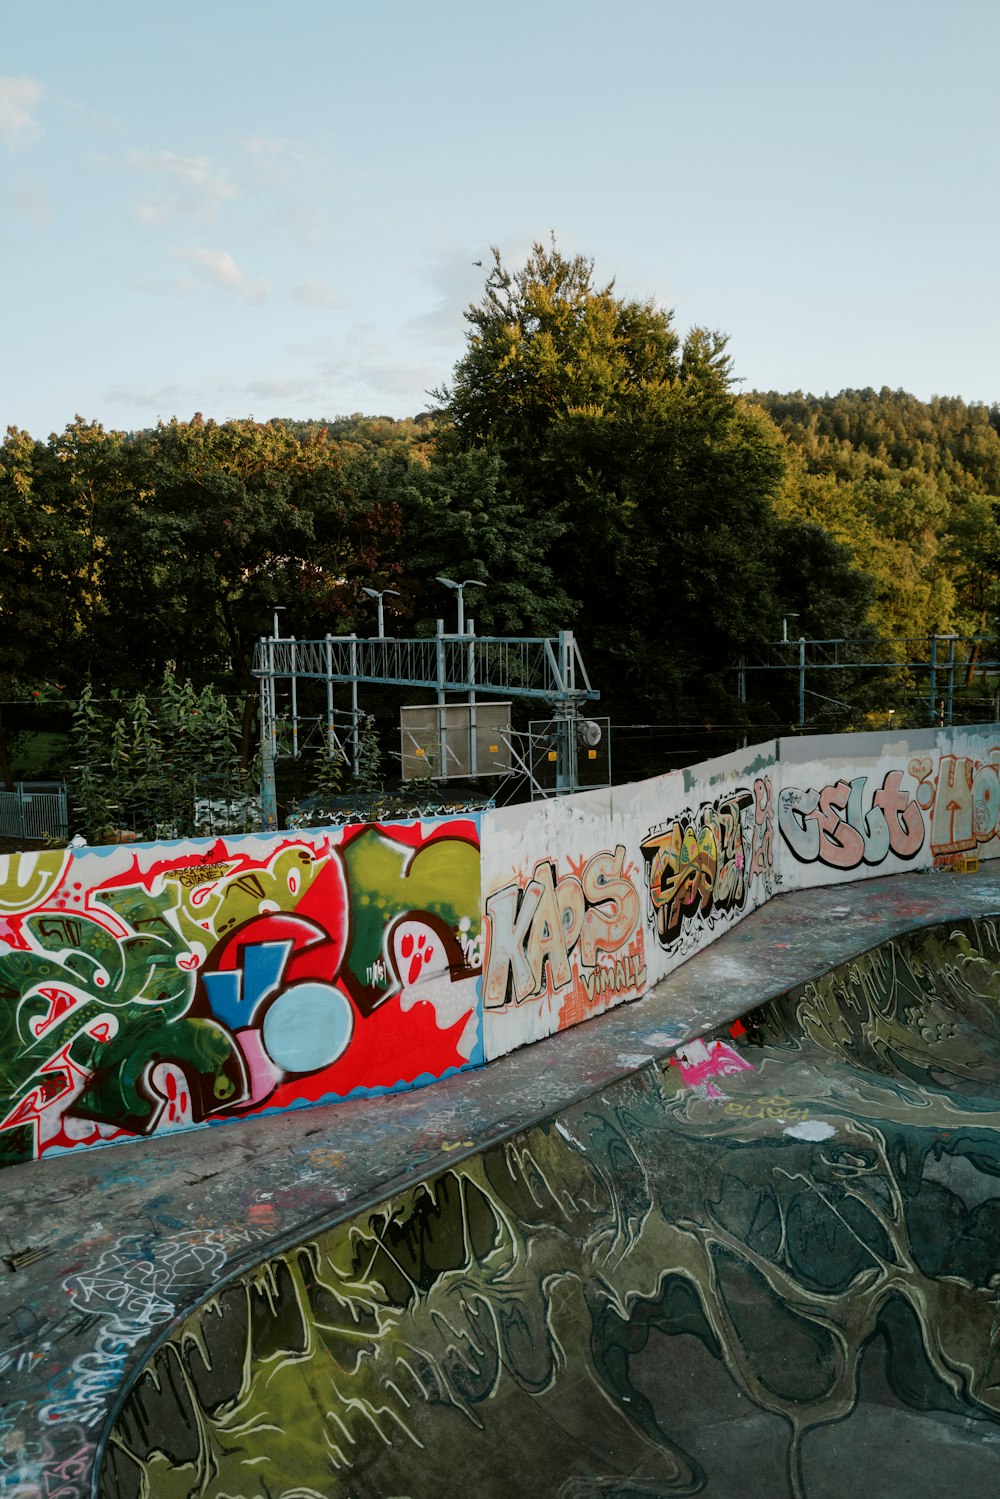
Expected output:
{"points": [[910, 488], [596, 469]]}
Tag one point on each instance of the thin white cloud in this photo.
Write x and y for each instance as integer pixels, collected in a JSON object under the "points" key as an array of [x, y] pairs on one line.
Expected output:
{"points": [[365, 361], [186, 185], [316, 293], [18, 98], [82, 117], [360, 370], [278, 160], [219, 268], [308, 225], [31, 202], [457, 277], [166, 400]]}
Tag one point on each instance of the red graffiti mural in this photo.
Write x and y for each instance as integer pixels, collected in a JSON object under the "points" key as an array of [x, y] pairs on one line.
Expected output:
{"points": [[143, 990]]}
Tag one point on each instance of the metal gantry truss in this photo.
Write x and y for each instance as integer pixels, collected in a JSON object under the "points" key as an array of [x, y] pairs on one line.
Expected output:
{"points": [[550, 669], [937, 655]]}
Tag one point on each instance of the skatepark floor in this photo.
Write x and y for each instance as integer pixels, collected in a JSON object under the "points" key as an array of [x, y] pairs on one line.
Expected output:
{"points": [[102, 1253]]}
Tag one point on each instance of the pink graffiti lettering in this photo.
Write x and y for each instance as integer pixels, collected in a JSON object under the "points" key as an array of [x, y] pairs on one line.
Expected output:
{"points": [[966, 803], [762, 854], [831, 826]]}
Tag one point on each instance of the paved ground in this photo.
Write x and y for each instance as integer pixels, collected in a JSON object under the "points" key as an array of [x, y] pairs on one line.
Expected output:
{"points": [[102, 1252]]}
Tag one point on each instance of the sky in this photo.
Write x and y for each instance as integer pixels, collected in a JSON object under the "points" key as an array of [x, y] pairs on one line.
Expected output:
{"points": [[254, 209]]}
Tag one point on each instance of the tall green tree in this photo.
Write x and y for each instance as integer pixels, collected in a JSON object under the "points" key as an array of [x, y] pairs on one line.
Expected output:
{"points": [[463, 518], [905, 485], [654, 478], [52, 495], [228, 521]]}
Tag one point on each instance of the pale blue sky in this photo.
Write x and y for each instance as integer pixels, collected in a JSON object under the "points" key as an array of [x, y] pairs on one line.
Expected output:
{"points": [[251, 208]]}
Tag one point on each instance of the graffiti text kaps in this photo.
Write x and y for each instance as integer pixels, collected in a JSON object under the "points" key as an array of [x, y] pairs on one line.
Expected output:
{"points": [[534, 929]]}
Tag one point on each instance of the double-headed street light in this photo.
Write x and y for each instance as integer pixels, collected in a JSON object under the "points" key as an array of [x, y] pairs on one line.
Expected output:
{"points": [[460, 590], [380, 593]]}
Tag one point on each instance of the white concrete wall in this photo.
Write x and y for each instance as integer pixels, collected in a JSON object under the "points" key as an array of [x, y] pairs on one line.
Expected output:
{"points": [[851, 806], [592, 899]]}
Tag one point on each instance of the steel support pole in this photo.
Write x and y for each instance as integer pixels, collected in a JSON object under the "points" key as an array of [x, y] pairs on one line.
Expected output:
{"points": [[331, 733], [566, 716], [295, 703], [441, 679], [473, 741], [933, 686], [802, 681], [355, 721], [268, 790]]}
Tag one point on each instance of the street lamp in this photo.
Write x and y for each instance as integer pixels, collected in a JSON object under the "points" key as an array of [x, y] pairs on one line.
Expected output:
{"points": [[460, 590], [784, 627], [376, 593]]}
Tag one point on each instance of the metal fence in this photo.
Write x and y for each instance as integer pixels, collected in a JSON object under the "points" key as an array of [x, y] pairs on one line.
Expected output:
{"points": [[34, 811]]}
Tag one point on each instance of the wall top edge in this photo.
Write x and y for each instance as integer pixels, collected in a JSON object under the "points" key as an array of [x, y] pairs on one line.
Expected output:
{"points": [[804, 749], [212, 840]]}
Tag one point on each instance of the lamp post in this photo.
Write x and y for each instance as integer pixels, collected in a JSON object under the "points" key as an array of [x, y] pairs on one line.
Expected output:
{"points": [[784, 627], [275, 637], [460, 590], [377, 593]]}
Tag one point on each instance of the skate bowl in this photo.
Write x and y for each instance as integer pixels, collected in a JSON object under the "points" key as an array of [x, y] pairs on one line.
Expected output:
{"points": [[764, 1264]]}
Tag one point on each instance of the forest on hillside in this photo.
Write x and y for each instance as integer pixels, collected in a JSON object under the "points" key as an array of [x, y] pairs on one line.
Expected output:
{"points": [[597, 470]]}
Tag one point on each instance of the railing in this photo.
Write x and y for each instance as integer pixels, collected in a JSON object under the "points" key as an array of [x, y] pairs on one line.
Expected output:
{"points": [[34, 811], [532, 668]]}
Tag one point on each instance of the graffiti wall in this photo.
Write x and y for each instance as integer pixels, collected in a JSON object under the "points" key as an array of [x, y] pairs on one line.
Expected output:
{"points": [[158, 987], [589, 901], [701, 866], [165, 986], [928, 800]]}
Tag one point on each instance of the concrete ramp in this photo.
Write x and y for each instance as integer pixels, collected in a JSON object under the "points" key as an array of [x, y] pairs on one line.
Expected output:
{"points": [[765, 1266]]}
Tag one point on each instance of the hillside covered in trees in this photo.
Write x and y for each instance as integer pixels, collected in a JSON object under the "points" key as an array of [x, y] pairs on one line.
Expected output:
{"points": [[595, 468], [910, 488]]}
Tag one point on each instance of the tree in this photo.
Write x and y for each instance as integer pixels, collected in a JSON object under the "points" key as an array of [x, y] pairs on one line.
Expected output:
{"points": [[544, 343], [462, 518], [971, 552], [654, 479], [906, 485], [51, 555], [229, 521]]}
